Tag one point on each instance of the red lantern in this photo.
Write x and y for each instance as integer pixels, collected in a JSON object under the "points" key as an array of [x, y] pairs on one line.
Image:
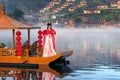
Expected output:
{"points": [[40, 32], [18, 43], [19, 53], [18, 33], [40, 76], [18, 38], [39, 45], [40, 37], [18, 76], [18, 48], [39, 41]]}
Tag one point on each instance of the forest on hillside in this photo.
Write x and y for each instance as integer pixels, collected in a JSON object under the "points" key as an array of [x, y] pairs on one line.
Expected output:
{"points": [[33, 6]]}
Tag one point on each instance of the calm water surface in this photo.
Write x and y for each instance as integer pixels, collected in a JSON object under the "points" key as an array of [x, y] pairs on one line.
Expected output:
{"points": [[96, 53]]}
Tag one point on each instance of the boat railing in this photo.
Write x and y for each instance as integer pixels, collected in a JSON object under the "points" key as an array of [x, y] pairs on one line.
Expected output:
{"points": [[12, 52]]}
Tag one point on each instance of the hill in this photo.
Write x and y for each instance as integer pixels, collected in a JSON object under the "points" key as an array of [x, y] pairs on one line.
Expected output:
{"points": [[25, 5]]}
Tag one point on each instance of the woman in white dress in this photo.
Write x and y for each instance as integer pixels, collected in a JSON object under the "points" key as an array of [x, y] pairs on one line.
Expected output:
{"points": [[49, 41]]}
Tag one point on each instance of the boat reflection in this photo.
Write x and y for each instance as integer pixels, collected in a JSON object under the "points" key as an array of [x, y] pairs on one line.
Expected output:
{"points": [[43, 73]]}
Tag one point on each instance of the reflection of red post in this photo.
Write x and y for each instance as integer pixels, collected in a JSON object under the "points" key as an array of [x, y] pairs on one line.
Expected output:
{"points": [[40, 76], [18, 44], [19, 76], [40, 33]]}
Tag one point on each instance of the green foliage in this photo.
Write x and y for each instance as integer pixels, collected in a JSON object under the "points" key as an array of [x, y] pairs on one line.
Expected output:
{"points": [[2, 45], [26, 5], [110, 15], [78, 20], [107, 15], [34, 6], [17, 14]]}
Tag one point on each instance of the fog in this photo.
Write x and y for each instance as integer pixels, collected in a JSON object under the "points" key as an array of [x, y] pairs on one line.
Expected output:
{"points": [[76, 38], [72, 38]]}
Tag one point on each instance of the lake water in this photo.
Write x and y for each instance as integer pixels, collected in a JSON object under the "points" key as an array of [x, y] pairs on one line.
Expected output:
{"points": [[96, 53]]}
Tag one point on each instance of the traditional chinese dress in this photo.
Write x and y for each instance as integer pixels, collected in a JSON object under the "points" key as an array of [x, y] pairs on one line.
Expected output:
{"points": [[49, 43]]}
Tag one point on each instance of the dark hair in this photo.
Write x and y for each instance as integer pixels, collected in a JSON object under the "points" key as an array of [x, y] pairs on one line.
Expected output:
{"points": [[49, 24]]}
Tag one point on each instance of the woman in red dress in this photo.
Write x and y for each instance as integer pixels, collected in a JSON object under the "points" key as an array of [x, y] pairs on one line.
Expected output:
{"points": [[49, 41]]}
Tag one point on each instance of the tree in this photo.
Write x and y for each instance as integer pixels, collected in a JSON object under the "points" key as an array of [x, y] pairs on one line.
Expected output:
{"points": [[18, 15], [78, 21], [2, 45]]}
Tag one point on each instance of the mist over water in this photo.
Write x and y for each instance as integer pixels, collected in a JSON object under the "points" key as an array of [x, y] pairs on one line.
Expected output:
{"points": [[76, 39]]}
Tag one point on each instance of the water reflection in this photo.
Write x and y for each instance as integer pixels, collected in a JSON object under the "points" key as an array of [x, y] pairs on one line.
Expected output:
{"points": [[48, 76], [43, 73]]}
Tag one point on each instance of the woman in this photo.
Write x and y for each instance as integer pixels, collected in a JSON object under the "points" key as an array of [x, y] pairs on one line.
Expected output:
{"points": [[49, 42]]}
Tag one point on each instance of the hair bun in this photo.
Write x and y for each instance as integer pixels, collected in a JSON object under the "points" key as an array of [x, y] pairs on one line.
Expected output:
{"points": [[49, 24]]}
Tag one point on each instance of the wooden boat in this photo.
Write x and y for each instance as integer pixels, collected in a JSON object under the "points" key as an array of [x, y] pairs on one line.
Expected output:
{"points": [[8, 55], [7, 60]]}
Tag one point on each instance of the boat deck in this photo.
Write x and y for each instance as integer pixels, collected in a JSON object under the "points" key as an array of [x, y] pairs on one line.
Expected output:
{"points": [[8, 56]]}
